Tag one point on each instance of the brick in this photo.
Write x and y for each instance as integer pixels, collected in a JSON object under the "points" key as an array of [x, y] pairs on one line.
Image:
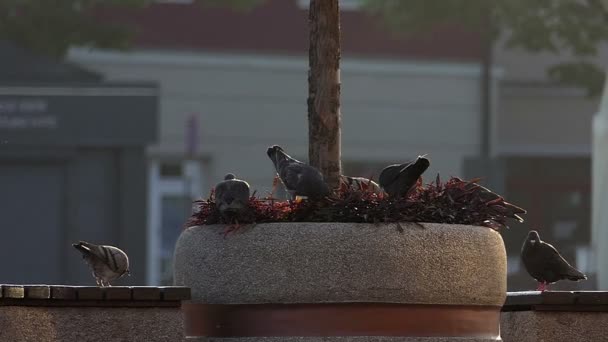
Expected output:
{"points": [[523, 298], [89, 293], [13, 291], [63, 292], [146, 293], [175, 293], [37, 292], [118, 293]]}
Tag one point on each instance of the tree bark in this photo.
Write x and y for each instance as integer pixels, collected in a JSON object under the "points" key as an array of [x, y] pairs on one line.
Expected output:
{"points": [[324, 118]]}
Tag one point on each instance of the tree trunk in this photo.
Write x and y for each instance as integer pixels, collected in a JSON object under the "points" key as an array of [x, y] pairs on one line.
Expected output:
{"points": [[324, 90]]}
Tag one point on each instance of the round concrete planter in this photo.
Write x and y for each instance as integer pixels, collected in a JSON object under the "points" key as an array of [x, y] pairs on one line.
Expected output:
{"points": [[342, 281]]}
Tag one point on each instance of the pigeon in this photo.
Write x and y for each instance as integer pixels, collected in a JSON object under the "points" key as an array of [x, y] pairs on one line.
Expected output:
{"points": [[298, 178], [489, 197], [232, 197], [544, 263], [107, 262], [398, 179], [359, 184]]}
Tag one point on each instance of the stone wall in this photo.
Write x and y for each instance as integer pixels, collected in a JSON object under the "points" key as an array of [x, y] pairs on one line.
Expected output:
{"points": [[71, 313], [560, 316]]}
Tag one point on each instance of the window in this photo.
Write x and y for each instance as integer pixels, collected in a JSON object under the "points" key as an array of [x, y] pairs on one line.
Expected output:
{"points": [[173, 186]]}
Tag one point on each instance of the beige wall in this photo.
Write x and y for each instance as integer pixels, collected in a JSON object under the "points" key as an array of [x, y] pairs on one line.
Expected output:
{"points": [[544, 121], [521, 65], [535, 117], [392, 111]]}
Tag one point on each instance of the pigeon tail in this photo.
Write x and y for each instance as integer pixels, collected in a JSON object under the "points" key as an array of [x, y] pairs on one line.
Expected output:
{"points": [[575, 275]]}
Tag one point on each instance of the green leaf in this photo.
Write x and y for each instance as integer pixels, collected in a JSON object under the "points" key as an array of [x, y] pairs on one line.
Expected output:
{"points": [[579, 74], [50, 27], [243, 5], [576, 27]]}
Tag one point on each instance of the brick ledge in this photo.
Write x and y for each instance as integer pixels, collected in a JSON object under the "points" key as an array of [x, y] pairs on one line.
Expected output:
{"points": [[62, 295]]}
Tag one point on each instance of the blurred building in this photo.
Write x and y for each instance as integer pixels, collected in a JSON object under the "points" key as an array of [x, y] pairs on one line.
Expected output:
{"points": [[72, 166], [232, 83], [543, 146]]}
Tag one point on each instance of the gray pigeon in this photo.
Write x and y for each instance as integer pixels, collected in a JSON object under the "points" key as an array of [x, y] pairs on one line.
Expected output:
{"points": [[232, 197], [298, 178], [398, 179], [486, 195], [544, 263], [359, 184], [107, 262]]}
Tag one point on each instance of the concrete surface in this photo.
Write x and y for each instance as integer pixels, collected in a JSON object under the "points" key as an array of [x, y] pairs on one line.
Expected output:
{"points": [[90, 324], [554, 326], [343, 262]]}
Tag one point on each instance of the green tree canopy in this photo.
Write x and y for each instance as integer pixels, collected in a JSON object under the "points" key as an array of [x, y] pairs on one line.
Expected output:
{"points": [[574, 27], [50, 27]]}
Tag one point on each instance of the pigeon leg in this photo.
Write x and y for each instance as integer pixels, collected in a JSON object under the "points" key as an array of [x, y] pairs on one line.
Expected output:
{"points": [[542, 286]]}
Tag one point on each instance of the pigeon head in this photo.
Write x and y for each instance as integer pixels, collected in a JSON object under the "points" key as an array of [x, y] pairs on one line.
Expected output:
{"points": [[421, 163], [272, 150], [278, 156], [533, 237], [231, 194]]}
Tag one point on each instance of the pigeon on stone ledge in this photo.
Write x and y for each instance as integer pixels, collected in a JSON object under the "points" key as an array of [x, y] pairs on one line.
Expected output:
{"points": [[544, 263], [232, 197], [107, 262], [298, 178], [398, 179]]}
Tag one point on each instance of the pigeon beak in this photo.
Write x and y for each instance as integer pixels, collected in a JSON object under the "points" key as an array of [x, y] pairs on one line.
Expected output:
{"points": [[532, 242]]}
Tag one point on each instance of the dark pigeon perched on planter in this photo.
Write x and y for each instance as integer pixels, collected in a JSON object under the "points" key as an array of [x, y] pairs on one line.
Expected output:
{"points": [[544, 263], [359, 184], [108, 263], [496, 201], [232, 197], [397, 180], [299, 179]]}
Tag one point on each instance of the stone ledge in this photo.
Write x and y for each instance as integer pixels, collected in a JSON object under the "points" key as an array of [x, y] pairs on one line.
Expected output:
{"points": [[60, 295], [556, 301]]}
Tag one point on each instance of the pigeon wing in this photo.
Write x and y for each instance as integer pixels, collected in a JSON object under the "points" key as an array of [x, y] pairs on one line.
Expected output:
{"points": [[557, 264], [291, 175], [239, 190]]}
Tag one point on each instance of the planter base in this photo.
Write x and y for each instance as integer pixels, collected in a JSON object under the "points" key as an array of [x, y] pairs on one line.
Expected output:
{"points": [[340, 320], [343, 339]]}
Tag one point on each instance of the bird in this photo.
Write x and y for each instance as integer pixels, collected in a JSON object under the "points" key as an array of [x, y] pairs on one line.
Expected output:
{"points": [[232, 197], [398, 179], [299, 179], [495, 200], [544, 263], [108, 263], [359, 184]]}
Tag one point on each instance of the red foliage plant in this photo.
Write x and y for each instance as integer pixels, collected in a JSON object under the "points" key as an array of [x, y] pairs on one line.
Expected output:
{"points": [[454, 202]]}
